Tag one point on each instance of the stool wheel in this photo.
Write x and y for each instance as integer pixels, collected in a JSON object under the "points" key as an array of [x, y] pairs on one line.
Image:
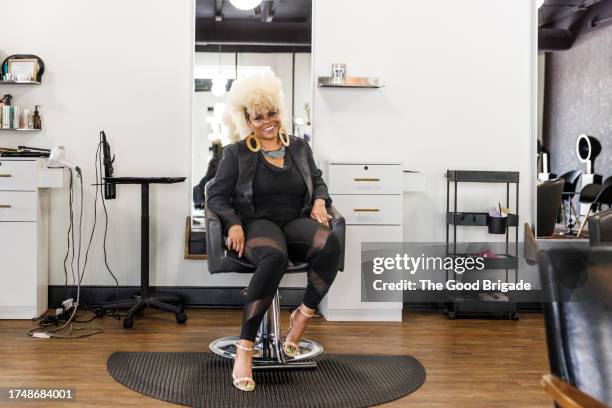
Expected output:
{"points": [[181, 318], [128, 323], [99, 312]]}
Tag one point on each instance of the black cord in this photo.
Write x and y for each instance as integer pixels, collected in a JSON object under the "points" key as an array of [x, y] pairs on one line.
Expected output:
{"points": [[95, 216], [71, 195], [99, 173], [80, 242], [68, 244]]}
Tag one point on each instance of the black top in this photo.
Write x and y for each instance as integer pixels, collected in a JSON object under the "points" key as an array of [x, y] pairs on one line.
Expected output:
{"points": [[230, 194], [278, 193]]}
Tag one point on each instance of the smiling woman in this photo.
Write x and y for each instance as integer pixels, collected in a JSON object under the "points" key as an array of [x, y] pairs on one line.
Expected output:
{"points": [[272, 202]]}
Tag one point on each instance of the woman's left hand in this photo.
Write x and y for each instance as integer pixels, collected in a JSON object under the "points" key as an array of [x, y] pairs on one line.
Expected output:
{"points": [[319, 212]]}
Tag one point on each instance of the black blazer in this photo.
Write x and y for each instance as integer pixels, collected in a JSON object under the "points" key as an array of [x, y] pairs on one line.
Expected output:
{"points": [[230, 193]]}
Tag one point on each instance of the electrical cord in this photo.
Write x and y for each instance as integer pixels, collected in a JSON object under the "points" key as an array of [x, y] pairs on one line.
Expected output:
{"points": [[99, 173], [61, 332], [68, 244], [65, 319]]}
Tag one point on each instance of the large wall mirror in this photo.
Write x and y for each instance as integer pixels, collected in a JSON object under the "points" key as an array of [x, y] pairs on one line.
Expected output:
{"points": [[236, 38], [574, 144]]}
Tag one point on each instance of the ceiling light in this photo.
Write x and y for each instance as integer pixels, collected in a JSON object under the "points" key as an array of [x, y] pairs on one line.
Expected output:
{"points": [[246, 4]]}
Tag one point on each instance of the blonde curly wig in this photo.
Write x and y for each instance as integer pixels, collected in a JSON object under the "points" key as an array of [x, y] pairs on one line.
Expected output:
{"points": [[257, 92]]}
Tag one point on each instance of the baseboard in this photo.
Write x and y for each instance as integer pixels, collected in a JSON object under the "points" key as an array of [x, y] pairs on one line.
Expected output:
{"points": [[191, 295], [436, 306], [209, 297]]}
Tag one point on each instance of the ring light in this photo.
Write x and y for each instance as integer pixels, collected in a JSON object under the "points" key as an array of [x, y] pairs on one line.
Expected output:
{"points": [[587, 150]]}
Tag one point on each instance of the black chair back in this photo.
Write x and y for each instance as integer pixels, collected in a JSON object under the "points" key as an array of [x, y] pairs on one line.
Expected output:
{"points": [[577, 287], [549, 202], [604, 197], [571, 182]]}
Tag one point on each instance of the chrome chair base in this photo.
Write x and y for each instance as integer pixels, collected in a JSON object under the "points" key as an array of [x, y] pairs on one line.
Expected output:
{"points": [[266, 355], [268, 348]]}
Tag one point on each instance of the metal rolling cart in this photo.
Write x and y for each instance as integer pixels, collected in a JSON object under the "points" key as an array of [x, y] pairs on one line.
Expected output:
{"points": [[458, 303]]}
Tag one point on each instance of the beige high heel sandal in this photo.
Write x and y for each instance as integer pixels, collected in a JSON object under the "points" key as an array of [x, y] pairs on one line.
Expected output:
{"points": [[289, 347], [244, 383]]}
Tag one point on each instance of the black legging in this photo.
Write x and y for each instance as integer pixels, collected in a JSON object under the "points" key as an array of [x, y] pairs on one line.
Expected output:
{"points": [[268, 246]]}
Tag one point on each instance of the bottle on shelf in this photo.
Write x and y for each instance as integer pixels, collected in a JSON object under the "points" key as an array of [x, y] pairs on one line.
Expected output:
{"points": [[37, 120]]}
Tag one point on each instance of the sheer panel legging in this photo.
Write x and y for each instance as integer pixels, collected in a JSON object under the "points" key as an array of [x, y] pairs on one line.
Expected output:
{"points": [[269, 246]]}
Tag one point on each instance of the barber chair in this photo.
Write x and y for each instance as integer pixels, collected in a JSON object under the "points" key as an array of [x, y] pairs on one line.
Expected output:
{"points": [[571, 179], [268, 351], [603, 198], [549, 202], [577, 289], [589, 193]]}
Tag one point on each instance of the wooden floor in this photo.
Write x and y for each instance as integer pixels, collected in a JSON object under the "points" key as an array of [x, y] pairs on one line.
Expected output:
{"points": [[469, 363]]}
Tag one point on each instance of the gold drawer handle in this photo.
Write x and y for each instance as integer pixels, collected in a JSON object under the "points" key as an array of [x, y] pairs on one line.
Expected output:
{"points": [[5, 175], [366, 179], [5, 206], [366, 209]]}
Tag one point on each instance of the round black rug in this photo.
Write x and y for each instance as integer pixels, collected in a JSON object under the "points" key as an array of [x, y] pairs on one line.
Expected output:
{"points": [[204, 380]]}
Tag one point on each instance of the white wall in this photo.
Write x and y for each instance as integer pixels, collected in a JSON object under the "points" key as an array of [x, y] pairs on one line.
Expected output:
{"points": [[457, 95]]}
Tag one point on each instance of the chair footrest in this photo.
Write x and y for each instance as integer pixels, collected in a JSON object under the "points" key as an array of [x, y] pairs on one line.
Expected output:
{"points": [[290, 365]]}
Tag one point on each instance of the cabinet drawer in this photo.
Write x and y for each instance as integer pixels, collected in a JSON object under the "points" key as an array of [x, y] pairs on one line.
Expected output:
{"points": [[18, 175], [18, 206], [369, 209], [17, 268], [365, 179]]}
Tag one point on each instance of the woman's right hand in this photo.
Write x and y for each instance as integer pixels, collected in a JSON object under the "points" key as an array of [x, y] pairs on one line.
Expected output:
{"points": [[235, 239]]}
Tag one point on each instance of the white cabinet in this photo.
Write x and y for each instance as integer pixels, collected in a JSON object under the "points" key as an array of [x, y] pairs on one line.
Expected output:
{"points": [[370, 197], [23, 236]]}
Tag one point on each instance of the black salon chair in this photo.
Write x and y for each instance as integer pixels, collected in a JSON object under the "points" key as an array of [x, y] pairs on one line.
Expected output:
{"points": [[549, 202], [577, 290], [600, 228], [589, 193], [571, 179], [268, 352], [603, 198]]}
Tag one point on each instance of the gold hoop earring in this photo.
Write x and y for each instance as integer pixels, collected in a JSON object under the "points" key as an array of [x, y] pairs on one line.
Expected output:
{"points": [[284, 137], [249, 142]]}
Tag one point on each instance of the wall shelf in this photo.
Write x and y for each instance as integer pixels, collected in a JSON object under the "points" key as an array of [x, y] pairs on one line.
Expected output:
{"points": [[475, 219], [351, 82], [19, 82]]}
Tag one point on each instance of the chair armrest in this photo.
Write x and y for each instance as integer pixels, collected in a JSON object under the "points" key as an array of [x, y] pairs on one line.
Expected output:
{"points": [[566, 395], [338, 226], [215, 247]]}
